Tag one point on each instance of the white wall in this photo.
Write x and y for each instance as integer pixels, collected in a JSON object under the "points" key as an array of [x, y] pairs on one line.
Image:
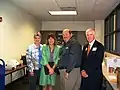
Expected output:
{"points": [[16, 30], [73, 25], [18, 26]]}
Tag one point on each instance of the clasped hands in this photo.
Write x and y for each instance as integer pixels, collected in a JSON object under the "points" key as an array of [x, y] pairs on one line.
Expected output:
{"points": [[51, 71]]}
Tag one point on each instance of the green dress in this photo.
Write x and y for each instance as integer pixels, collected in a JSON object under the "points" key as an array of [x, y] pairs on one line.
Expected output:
{"points": [[48, 79]]}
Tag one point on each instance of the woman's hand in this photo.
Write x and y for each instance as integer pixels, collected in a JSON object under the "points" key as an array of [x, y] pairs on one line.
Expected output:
{"points": [[51, 71]]}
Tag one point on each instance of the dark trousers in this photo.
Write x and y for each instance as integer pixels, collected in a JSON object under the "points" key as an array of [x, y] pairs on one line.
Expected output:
{"points": [[34, 80]]}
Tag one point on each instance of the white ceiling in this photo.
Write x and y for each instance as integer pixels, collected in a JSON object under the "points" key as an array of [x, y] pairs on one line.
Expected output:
{"points": [[87, 9]]}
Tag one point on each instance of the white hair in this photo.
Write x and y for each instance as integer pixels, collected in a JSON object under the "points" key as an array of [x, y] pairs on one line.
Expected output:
{"points": [[90, 30]]}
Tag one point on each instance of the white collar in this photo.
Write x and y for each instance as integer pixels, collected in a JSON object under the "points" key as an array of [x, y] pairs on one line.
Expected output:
{"points": [[36, 46], [91, 43]]}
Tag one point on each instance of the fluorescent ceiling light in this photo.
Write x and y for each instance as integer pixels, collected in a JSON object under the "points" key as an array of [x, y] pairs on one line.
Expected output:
{"points": [[63, 12]]}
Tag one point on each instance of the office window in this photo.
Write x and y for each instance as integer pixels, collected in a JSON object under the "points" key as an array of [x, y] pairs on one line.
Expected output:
{"points": [[112, 31], [112, 23], [118, 19], [114, 41], [106, 26], [118, 42], [107, 41], [110, 43]]}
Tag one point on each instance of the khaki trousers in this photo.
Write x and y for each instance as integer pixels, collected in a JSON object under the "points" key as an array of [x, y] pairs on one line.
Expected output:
{"points": [[73, 82]]}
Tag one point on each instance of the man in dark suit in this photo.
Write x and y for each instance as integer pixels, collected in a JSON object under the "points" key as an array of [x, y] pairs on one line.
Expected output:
{"points": [[92, 58], [70, 62]]}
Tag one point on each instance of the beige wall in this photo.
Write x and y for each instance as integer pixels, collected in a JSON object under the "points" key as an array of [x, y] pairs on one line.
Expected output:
{"points": [[18, 26], [73, 25], [99, 27], [16, 30], [76, 26]]}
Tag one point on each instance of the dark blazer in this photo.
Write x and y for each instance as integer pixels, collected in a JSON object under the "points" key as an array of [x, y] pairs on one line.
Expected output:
{"points": [[92, 64], [70, 55]]}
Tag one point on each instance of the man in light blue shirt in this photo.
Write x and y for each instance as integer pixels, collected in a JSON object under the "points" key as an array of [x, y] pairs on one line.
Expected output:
{"points": [[33, 58]]}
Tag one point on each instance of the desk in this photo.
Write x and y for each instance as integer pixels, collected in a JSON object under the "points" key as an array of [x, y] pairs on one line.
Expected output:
{"points": [[112, 83], [17, 73]]}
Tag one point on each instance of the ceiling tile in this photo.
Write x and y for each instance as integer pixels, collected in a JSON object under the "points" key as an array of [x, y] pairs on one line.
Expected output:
{"points": [[66, 3], [87, 9]]}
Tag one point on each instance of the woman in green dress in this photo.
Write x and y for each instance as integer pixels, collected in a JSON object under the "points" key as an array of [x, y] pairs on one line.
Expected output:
{"points": [[50, 54]]}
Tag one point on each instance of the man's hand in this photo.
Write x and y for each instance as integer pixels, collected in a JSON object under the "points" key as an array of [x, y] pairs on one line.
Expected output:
{"points": [[84, 74], [31, 73], [66, 75]]}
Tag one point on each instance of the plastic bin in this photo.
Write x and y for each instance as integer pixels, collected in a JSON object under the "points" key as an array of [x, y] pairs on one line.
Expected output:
{"points": [[2, 75]]}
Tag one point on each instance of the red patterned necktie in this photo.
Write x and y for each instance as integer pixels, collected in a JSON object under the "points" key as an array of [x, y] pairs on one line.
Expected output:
{"points": [[88, 50]]}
